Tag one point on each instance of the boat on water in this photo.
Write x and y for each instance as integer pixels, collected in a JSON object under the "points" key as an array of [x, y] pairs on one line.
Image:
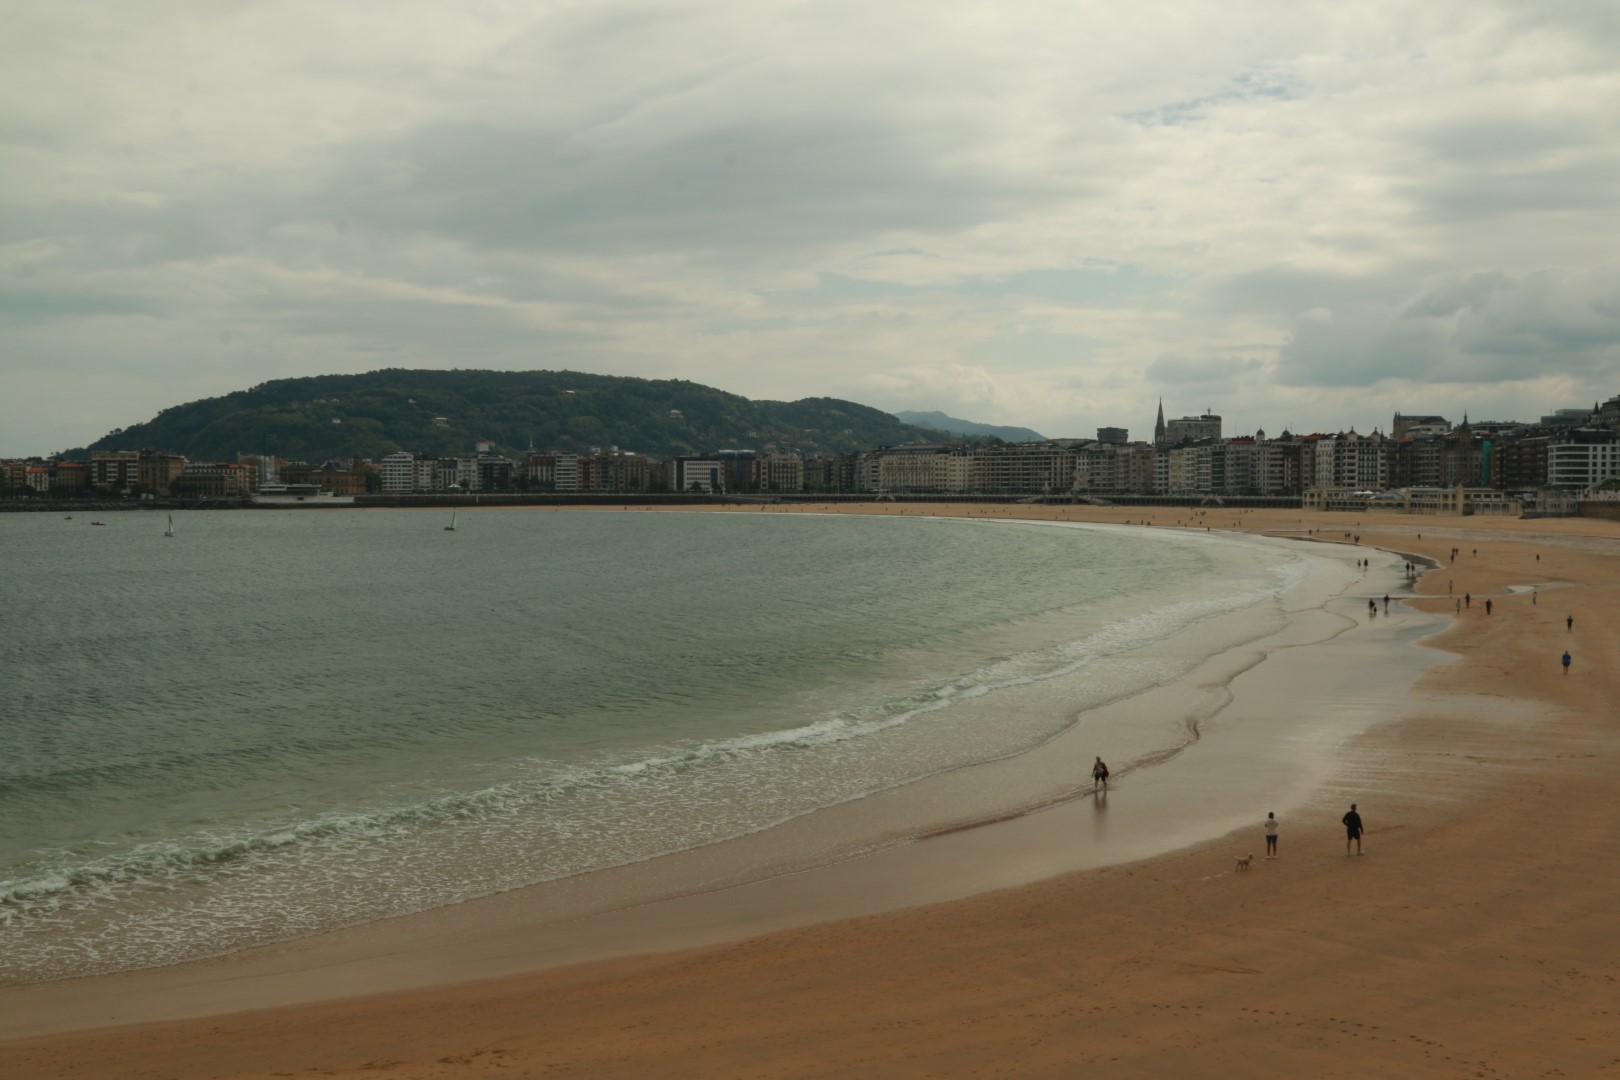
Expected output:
{"points": [[170, 530], [452, 526], [98, 523]]}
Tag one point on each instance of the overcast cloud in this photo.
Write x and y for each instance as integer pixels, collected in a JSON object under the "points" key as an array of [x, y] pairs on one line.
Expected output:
{"points": [[1302, 215]]}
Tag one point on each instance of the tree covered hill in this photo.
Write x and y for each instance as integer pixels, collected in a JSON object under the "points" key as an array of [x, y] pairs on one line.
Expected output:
{"points": [[442, 413]]}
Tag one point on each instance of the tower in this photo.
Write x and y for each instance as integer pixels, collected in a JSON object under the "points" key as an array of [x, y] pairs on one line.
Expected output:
{"points": [[1158, 427]]}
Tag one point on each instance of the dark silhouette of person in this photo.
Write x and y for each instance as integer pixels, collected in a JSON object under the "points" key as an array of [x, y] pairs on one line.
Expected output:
{"points": [[1566, 661], [1487, 606], [1099, 774], [1569, 622], [1352, 829]]}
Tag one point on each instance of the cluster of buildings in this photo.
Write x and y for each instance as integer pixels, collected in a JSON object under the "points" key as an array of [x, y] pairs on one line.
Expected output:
{"points": [[1572, 450]]}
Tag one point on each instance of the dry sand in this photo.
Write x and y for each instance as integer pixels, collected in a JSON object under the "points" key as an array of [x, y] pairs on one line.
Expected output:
{"points": [[1477, 937]]}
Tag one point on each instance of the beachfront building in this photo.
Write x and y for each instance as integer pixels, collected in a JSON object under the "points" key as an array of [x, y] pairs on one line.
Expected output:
{"points": [[1188, 469], [552, 472], [615, 471], [398, 472], [923, 468], [215, 480], [834, 474], [493, 472], [115, 470], [1520, 464], [1582, 458], [706, 475], [1021, 468], [69, 477], [782, 473], [1111, 468], [1350, 461], [455, 474]]}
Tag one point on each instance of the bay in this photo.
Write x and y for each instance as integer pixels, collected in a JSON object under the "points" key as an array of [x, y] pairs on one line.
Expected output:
{"points": [[277, 723]]}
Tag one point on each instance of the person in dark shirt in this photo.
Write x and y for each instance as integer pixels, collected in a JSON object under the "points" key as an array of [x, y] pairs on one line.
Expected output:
{"points": [[1352, 830]]}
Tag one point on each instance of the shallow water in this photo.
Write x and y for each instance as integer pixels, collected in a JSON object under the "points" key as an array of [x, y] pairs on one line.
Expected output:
{"points": [[277, 723]]}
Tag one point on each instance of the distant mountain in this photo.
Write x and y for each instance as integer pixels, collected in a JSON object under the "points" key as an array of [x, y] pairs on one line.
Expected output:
{"points": [[442, 413], [938, 421]]}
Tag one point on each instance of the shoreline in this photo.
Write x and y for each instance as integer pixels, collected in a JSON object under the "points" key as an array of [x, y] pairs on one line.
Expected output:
{"points": [[1039, 862], [853, 867]]}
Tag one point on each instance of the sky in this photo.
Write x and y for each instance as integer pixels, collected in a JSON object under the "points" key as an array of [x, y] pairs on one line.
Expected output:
{"points": [[1296, 214]]}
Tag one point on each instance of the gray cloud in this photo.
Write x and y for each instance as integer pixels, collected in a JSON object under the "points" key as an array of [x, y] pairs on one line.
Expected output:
{"points": [[1036, 214], [1482, 328]]}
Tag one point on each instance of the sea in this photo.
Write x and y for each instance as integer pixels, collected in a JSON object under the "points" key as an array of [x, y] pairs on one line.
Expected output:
{"points": [[277, 723]]}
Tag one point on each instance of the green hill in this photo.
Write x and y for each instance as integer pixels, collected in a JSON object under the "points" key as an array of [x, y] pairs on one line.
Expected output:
{"points": [[442, 413]]}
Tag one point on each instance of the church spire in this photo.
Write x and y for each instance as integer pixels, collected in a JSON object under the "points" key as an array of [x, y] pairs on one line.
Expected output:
{"points": [[1158, 428]]}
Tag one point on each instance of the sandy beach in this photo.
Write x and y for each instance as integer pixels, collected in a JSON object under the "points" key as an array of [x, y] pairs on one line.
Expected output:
{"points": [[1476, 936]]}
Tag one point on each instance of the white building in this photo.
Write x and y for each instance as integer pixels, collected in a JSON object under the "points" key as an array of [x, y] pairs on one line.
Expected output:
{"points": [[692, 474], [1351, 461], [565, 472], [398, 473], [1580, 460]]}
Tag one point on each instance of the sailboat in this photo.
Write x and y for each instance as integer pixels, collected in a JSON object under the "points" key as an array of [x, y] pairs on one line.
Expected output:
{"points": [[452, 526], [170, 530]]}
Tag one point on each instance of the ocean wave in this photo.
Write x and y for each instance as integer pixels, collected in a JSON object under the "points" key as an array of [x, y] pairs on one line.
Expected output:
{"points": [[72, 880]]}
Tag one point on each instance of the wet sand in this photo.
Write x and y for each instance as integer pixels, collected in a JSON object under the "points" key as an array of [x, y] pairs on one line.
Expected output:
{"points": [[1475, 935]]}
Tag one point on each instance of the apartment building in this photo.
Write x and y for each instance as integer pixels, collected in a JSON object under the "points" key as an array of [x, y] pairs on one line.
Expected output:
{"points": [[782, 473], [1582, 458], [1350, 461], [1103, 468], [924, 468], [115, 470], [706, 475], [215, 480], [1022, 468], [398, 472]]}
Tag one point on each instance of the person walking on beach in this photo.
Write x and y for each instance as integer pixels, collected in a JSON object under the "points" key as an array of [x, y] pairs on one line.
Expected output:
{"points": [[1487, 605], [1468, 599], [1271, 835], [1566, 661], [1386, 603], [1099, 775], [1569, 623], [1352, 829]]}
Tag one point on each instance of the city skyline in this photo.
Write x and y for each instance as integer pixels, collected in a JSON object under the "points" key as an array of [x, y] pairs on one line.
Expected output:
{"points": [[1047, 216]]}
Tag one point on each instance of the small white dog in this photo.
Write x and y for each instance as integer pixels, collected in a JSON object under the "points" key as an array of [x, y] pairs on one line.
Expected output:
{"points": [[1244, 861]]}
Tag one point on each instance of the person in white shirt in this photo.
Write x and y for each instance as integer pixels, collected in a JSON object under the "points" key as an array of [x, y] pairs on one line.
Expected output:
{"points": [[1271, 835]]}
